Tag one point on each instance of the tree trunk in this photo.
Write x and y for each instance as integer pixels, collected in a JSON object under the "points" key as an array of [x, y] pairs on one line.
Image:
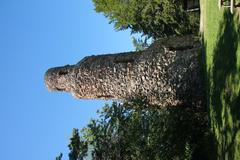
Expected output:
{"points": [[166, 74]]}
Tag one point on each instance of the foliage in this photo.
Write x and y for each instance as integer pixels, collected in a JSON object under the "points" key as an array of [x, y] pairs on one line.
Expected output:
{"points": [[78, 148], [155, 18], [140, 44], [123, 132], [59, 157]]}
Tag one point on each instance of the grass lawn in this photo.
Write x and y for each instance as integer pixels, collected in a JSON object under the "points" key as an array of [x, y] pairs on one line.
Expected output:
{"points": [[222, 51]]}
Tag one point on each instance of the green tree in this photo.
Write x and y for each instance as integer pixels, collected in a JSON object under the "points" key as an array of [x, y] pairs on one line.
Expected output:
{"points": [[140, 132], [154, 18], [59, 157], [77, 147], [140, 44]]}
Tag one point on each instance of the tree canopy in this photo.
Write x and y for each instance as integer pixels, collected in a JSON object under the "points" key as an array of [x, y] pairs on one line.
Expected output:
{"points": [[155, 18], [123, 132]]}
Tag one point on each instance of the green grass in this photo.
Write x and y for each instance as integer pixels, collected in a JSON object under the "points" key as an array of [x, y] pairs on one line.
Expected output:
{"points": [[222, 52]]}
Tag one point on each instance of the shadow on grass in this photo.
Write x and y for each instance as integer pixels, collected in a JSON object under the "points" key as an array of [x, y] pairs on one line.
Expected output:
{"points": [[224, 90]]}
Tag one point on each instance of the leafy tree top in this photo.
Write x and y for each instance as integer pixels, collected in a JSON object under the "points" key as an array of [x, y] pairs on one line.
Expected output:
{"points": [[155, 18]]}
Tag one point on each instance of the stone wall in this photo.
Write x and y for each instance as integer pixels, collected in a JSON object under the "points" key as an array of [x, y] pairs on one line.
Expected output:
{"points": [[167, 74]]}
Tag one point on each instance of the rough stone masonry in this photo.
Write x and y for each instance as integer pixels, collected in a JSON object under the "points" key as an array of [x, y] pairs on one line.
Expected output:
{"points": [[166, 74]]}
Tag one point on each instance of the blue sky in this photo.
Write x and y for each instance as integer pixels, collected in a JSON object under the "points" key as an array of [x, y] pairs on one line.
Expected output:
{"points": [[34, 36]]}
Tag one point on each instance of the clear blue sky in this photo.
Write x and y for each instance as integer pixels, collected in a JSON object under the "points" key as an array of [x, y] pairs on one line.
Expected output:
{"points": [[34, 36]]}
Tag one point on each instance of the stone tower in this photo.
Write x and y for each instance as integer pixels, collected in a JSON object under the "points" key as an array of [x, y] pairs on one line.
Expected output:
{"points": [[167, 74]]}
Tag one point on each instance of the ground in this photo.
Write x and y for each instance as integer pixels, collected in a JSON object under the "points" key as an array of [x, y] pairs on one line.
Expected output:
{"points": [[221, 39]]}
